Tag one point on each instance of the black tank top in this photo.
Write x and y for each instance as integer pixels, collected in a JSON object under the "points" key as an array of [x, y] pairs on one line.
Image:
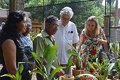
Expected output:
{"points": [[20, 55], [15, 36]]}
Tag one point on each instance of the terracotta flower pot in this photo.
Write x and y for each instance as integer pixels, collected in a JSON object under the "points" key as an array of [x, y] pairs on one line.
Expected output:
{"points": [[110, 77], [92, 70], [77, 72], [86, 78], [67, 77], [60, 74]]}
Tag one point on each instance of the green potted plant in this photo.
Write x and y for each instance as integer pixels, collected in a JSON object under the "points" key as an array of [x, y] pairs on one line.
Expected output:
{"points": [[77, 62], [117, 67], [73, 53], [89, 73], [102, 70], [114, 47], [18, 75], [49, 55], [67, 77], [86, 77]]}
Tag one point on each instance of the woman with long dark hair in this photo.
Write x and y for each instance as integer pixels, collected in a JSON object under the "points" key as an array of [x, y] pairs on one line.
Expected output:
{"points": [[11, 47]]}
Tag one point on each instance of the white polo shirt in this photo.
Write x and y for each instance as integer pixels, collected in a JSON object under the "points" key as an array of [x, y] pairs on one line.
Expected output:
{"points": [[65, 37]]}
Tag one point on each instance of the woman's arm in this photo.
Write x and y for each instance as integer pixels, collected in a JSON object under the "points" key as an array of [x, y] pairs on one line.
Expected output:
{"points": [[81, 41], [9, 55], [101, 41], [104, 39]]}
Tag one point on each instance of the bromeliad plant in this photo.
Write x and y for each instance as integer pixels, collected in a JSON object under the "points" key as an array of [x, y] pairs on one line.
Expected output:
{"points": [[44, 63]]}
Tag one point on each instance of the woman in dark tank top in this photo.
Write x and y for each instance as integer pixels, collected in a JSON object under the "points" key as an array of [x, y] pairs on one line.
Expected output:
{"points": [[11, 47]]}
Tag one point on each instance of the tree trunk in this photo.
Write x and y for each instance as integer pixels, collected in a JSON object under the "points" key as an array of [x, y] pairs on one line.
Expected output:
{"points": [[16, 5], [12, 5]]}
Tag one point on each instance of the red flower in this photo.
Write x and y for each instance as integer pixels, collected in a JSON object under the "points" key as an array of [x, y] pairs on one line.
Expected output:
{"points": [[93, 51], [84, 64]]}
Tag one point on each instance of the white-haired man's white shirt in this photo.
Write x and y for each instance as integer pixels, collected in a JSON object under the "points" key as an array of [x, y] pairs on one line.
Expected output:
{"points": [[65, 37]]}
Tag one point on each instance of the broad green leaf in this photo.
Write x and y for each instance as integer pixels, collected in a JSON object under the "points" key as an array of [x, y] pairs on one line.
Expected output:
{"points": [[17, 75], [70, 52], [55, 71], [50, 55], [8, 75], [21, 68], [36, 56], [70, 61]]}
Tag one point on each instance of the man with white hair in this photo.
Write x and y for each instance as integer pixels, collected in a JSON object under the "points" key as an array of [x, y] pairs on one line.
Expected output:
{"points": [[66, 35]]}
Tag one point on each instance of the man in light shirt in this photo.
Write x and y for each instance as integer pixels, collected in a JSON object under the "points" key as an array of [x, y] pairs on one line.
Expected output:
{"points": [[66, 35]]}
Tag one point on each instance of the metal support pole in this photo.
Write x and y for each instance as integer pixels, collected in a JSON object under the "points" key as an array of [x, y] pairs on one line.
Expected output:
{"points": [[43, 27], [107, 23], [116, 14], [105, 7], [43, 9], [109, 20]]}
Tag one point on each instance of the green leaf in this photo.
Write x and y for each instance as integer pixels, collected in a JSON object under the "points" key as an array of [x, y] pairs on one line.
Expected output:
{"points": [[17, 75], [21, 68], [117, 65], [55, 71], [36, 56], [8, 75], [39, 60], [111, 65], [51, 51], [70, 52], [50, 54], [70, 61], [91, 65]]}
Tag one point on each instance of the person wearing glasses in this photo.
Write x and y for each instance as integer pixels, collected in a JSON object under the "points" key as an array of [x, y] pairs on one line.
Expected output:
{"points": [[66, 36]]}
